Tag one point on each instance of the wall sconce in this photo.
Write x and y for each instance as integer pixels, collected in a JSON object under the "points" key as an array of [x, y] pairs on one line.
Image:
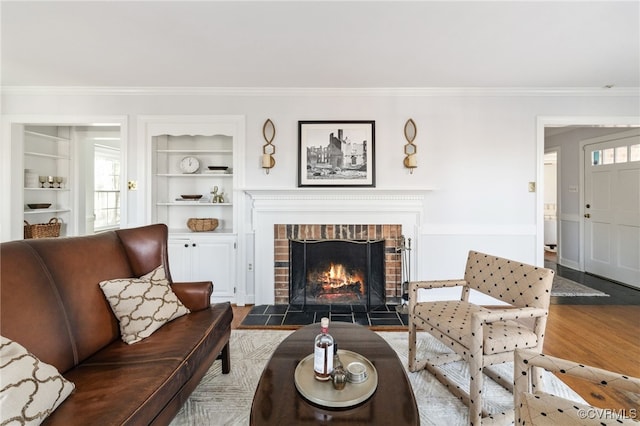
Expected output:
{"points": [[268, 149], [410, 149]]}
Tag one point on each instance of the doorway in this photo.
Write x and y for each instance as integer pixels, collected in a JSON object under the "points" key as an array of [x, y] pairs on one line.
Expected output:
{"points": [[101, 198], [551, 205], [612, 207], [567, 133]]}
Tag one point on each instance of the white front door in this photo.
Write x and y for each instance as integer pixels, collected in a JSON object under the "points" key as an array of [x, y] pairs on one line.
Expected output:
{"points": [[612, 208]]}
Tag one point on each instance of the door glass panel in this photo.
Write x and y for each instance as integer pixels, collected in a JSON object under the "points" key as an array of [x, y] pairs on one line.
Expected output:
{"points": [[621, 154], [608, 156], [635, 152]]}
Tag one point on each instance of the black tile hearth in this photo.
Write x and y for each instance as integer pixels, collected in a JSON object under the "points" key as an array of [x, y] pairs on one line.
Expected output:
{"points": [[294, 315]]}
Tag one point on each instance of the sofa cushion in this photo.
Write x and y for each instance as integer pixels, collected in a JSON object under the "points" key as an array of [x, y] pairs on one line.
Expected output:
{"points": [[31, 308], [141, 379], [75, 266], [30, 390], [142, 305]]}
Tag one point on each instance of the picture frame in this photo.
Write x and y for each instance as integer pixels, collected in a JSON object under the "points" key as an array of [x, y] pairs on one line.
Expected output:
{"points": [[336, 153]]}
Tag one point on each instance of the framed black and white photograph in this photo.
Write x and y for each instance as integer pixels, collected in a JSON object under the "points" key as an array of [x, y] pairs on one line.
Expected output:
{"points": [[336, 153]]}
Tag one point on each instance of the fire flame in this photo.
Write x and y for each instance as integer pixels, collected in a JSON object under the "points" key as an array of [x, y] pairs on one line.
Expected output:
{"points": [[336, 276]]}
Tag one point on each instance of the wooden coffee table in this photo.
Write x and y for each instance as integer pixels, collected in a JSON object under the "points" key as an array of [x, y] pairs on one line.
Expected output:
{"points": [[278, 402]]}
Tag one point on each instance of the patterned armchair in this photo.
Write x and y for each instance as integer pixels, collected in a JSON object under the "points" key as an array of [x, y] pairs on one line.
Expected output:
{"points": [[535, 407], [482, 336]]}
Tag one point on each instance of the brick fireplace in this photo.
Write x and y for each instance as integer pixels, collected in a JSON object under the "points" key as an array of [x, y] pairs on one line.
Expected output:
{"points": [[388, 213], [390, 234]]}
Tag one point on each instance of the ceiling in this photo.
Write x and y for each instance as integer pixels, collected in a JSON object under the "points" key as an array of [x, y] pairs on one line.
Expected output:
{"points": [[367, 44]]}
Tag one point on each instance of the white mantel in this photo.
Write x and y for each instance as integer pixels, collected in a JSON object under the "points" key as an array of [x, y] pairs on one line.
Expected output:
{"points": [[326, 206]]}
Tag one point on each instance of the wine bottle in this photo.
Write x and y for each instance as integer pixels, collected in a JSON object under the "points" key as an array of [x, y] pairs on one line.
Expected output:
{"points": [[323, 352]]}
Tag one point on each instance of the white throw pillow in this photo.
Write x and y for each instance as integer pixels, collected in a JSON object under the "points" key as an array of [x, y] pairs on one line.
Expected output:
{"points": [[142, 305], [29, 389]]}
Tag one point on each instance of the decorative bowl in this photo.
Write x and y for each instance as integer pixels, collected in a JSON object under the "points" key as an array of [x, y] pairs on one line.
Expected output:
{"points": [[191, 196], [39, 206], [202, 224]]}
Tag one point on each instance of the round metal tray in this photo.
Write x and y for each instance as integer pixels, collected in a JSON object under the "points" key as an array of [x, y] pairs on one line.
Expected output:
{"points": [[324, 394]]}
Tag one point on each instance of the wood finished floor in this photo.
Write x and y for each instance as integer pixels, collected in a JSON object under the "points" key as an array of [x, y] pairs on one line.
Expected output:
{"points": [[603, 332], [604, 336]]}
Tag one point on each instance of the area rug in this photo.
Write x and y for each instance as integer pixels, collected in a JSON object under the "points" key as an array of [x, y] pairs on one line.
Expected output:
{"points": [[565, 287], [225, 399]]}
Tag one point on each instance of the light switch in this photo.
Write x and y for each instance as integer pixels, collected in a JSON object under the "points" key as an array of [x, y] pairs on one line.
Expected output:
{"points": [[532, 187]]}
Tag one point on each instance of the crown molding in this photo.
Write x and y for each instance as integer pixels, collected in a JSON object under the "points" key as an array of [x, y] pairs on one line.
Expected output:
{"points": [[319, 91]]}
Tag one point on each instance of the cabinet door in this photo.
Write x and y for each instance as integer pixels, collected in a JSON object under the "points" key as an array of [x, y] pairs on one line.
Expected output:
{"points": [[180, 252], [214, 260]]}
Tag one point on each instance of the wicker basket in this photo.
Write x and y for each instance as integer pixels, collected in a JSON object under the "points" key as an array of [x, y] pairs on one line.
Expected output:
{"points": [[202, 225], [43, 230]]}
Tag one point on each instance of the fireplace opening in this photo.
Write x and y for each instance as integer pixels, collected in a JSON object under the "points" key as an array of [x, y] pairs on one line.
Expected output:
{"points": [[337, 272]]}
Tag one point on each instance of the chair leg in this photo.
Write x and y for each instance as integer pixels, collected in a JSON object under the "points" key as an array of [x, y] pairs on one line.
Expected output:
{"points": [[476, 375], [412, 345], [225, 356], [476, 378]]}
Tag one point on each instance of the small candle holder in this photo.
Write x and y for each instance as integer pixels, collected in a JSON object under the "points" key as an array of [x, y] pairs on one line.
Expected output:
{"points": [[268, 149]]}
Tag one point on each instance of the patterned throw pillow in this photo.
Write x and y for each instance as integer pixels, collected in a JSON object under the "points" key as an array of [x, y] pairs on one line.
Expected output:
{"points": [[29, 389], [142, 305]]}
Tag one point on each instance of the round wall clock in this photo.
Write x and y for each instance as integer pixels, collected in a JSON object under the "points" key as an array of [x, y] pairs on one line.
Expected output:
{"points": [[189, 165]]}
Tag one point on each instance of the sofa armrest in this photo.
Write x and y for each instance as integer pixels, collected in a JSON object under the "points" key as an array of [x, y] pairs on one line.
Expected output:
{"points": [[196, 296]]}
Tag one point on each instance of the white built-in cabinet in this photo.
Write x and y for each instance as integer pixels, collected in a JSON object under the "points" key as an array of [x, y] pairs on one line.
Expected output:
{"points": [[200, 258], [47, 164], [216, 142]]}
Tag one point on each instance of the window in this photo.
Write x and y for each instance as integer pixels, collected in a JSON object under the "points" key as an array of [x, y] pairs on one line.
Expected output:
{"points": [[107, 187], [620, 154]]}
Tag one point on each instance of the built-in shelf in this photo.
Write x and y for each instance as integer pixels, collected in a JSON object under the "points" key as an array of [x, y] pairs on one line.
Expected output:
{"points": [[214, 141], [52, 156], [38, 211], [191, 204], [195, 151], [186, 232], [195, 175], [48, 154], [45, 135], [47, 189]]}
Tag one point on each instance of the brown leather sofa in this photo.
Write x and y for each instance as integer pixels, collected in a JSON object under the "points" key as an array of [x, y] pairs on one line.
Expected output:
{"points": [[51, 303]]}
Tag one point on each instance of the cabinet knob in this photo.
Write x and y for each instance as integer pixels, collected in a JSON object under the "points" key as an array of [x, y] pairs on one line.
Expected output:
{"points": [[193, 245], [186, 245]]}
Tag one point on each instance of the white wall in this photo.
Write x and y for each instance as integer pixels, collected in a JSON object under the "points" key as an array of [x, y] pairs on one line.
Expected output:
{"points": [[477, 150]]}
